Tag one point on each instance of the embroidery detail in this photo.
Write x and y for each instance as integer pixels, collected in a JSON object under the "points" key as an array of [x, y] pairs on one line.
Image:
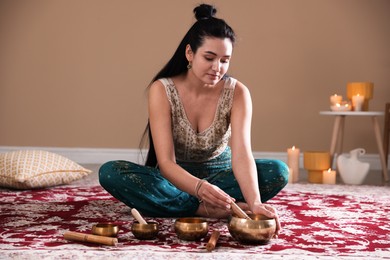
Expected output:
{"points": [[200, 147]]}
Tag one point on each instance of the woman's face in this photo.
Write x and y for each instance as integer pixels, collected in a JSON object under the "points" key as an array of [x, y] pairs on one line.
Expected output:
{"points": [[211, 61]]}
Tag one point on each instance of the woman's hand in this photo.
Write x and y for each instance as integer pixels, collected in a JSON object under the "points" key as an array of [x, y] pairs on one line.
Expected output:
{"points": [[269, 211], [213, 195]]}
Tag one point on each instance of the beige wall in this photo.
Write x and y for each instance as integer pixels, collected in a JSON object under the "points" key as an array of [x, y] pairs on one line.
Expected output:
{"points": [[73, 73]]}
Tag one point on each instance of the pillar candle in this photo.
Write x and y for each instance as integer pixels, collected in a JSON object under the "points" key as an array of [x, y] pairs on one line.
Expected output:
{"points": [[293, 162], [357, 102], [329, 176]]}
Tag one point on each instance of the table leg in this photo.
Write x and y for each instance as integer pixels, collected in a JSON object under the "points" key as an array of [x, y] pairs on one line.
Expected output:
{"points": [[335, 134], [340, 138], [380, 147]]}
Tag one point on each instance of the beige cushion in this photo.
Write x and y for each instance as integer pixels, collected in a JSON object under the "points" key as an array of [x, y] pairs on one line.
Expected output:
{"points": [[37, 169]]}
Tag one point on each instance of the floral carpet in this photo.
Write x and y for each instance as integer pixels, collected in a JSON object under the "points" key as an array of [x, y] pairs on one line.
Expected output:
{"points": [[318, 221]]}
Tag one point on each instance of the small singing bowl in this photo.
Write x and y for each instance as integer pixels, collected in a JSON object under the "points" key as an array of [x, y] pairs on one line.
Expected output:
{"points": [[108, 230], [145, 231], [257, 230], [191, 229]]}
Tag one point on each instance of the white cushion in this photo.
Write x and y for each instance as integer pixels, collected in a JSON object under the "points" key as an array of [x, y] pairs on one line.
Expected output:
{"points": [[30, 169]]}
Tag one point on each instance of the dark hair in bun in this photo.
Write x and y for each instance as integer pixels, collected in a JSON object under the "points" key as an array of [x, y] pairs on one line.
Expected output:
{"points": [[207, 25], [204, 11]]}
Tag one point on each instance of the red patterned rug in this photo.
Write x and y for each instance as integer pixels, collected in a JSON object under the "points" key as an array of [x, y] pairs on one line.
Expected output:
{"points": [[320, 221]]}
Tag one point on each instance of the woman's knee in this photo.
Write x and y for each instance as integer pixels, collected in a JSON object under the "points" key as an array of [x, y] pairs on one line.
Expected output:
{"points": [[272, 167], [282, 170], [110, 171], [105, 172], [273, 177]]}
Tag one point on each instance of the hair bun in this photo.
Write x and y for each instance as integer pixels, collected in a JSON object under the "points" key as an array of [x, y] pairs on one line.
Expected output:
{"points": [[204, 11]]}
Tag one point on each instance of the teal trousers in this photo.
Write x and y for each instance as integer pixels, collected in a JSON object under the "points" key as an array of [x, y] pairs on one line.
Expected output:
{"points": [[145, 189]]}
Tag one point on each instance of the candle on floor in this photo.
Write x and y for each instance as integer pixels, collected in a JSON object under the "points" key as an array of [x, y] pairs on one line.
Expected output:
{"points": [[293, 162], [329, 176], [357, 102]]}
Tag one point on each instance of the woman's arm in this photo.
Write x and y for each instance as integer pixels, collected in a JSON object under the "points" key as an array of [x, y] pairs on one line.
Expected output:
{"points": [[243, 163], [160, 125]]}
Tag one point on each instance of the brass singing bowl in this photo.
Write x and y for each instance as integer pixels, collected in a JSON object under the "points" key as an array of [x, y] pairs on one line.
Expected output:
{"points": [[108, 230], [191, 229], [145, 231], [257, 230]]}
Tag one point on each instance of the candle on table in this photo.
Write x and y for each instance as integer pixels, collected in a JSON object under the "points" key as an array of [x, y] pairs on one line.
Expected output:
{"points": [[293, 162], [329, 176], [357, 102], [335, 99], [343, 106]]}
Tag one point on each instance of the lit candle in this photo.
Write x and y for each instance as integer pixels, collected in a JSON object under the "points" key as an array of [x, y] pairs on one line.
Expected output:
{"points": [[343, 106], [293, 162], [329, 176], [335, 99], [357, 102]]}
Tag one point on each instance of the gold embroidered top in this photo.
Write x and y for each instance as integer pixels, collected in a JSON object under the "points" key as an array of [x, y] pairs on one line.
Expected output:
{"points": [[191, 146]]}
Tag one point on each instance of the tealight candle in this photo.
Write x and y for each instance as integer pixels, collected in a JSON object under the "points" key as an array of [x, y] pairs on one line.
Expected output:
{"points": [[329, 176], [357, 102], [293, 162], [343, 106], [335, 99]]}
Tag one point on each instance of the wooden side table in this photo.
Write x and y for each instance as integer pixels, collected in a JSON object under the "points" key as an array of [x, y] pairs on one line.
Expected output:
{"points": [[338, 131]]}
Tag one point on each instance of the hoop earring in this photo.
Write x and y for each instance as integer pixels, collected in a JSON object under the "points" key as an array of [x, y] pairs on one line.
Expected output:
{"points": [[189, 66]]}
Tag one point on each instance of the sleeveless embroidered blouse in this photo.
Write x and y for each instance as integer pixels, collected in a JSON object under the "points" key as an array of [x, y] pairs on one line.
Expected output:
{"points": [[191, 146]]}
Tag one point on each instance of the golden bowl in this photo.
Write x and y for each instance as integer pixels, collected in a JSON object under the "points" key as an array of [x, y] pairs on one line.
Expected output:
{"points": [[108, 230], [191, 228], [257, 230], [145, 231]]}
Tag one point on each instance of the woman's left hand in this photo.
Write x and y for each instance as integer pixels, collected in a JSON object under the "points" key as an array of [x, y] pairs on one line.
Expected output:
{"points": [[269, 211]]}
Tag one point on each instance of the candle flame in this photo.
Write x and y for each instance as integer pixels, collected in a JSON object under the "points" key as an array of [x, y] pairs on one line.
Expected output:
{"points": [[329, 170], [293, 147]]}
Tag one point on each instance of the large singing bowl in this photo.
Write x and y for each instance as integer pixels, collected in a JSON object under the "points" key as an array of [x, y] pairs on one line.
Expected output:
{"points": [[257, 230]]}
